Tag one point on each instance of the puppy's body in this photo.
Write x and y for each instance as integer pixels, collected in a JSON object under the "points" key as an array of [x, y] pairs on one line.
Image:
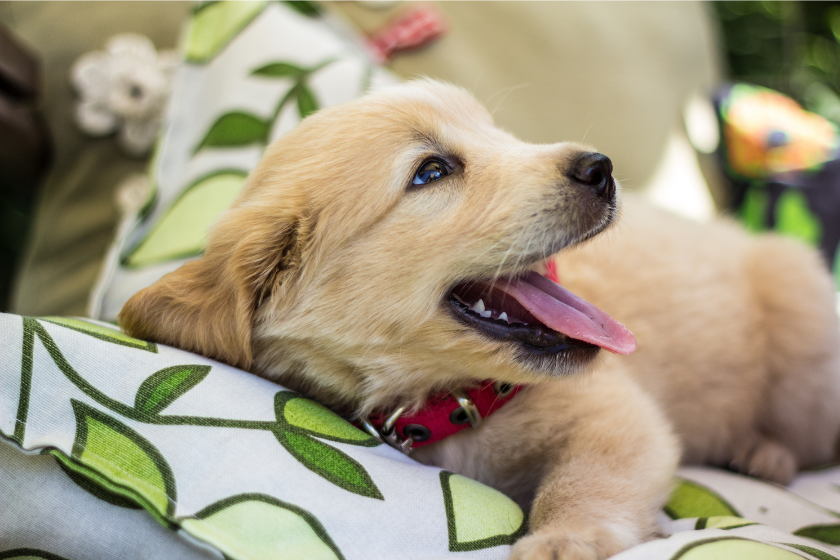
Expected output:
{"points": [[592, 458], [338, 275], [738, 336]]}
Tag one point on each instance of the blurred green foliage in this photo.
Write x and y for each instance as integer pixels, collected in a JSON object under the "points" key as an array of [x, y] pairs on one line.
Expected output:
{"points": [[792, 47]]}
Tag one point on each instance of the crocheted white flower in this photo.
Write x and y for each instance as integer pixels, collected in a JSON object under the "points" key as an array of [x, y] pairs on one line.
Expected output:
{"points": [[124, 88]]}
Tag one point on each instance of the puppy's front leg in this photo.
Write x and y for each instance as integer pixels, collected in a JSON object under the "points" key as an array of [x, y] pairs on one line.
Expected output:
{"points": [[610, 474]]}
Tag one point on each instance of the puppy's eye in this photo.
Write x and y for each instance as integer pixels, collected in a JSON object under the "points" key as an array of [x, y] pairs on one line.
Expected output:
{"points": [[431, 171]]}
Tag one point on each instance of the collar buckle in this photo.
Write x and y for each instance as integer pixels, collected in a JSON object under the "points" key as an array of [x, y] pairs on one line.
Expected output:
{"points": [[387, 434]]}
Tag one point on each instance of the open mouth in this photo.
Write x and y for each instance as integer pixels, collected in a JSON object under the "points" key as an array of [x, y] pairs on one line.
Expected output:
{"points": [[538, 314]]}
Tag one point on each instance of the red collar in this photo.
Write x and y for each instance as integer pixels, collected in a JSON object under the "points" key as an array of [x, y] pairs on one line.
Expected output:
{"points": [[442, 416], [447, 414]]}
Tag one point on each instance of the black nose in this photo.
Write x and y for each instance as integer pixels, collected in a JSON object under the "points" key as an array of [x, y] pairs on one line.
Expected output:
{"points": [[594, 170]]}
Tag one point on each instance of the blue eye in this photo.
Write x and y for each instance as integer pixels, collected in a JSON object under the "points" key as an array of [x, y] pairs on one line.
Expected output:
{"points": [[431, 171]]}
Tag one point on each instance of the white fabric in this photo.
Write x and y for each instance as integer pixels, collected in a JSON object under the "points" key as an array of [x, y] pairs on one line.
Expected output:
{"points": [[86, 377], [208, 463]]}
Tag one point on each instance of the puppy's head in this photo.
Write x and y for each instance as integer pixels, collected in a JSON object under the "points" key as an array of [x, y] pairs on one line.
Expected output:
{"points": [[352, 264]]}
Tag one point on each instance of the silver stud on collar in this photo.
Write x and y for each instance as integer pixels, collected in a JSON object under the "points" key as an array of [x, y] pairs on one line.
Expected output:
{"points": [[503, 389]]}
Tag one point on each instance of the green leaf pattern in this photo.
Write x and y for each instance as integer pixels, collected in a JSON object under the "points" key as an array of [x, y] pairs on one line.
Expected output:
{"points": [[479, 516], [722, 522], [119, 465], [215, 24], [176, 227], [182, 231], [734, 549], [279, 70], [107, 334], [306, 102], [93, 483], [294, 411], [235, 129], [815, 552], [256, 527], [114, 457], [303, 7], [690, 499], [329, 463], [163, 387], [124, 457], [829, 533], [299, 419], [238, 128]]}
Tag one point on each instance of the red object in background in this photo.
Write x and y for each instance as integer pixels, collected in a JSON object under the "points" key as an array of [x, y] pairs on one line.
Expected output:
{"points": [[414, 29]]}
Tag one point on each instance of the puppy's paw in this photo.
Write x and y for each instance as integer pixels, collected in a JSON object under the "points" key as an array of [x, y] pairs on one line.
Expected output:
{"points": [[591, 543], [772, 461], [768, 460]]}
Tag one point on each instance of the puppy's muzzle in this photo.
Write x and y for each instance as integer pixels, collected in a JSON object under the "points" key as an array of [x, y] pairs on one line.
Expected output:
{"points": [[594, 171]]}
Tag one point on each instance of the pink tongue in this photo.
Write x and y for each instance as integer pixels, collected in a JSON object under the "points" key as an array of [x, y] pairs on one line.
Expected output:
{"points": [[566, 313]]}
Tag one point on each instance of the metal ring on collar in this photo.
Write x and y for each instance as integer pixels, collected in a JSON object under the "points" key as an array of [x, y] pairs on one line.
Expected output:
{"points": [[388, 424], [469, 407]]}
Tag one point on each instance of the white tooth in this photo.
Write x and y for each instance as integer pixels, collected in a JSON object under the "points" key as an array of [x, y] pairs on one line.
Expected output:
{"points": [[479, 307], [486, 314], [503, 317]]}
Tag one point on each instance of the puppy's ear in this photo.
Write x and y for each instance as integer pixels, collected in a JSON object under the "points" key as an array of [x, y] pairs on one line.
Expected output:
{"points": [[207, 306]]}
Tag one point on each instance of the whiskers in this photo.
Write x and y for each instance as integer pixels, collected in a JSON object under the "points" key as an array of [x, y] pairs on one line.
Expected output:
{"points": [[505, 92]]}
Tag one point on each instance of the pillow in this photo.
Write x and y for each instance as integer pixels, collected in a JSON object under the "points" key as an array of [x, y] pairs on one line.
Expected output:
{"points": [[112, 447], [220, 456], [251, 71]]}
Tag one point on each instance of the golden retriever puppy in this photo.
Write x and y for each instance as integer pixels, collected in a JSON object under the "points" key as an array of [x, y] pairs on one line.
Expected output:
{"points": [[390, 249]]}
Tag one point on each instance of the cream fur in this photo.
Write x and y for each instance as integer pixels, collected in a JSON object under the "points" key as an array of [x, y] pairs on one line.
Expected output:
{"points": [[738, 339], [329, 274]]}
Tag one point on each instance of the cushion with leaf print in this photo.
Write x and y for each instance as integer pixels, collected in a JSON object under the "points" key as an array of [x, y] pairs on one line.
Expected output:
{"points": [[225, 459], [113, 447], [251, 71]]}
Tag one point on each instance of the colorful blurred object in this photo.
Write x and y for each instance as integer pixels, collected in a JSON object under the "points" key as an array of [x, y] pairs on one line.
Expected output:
{"points": [[767, 133], [783, 164]]}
